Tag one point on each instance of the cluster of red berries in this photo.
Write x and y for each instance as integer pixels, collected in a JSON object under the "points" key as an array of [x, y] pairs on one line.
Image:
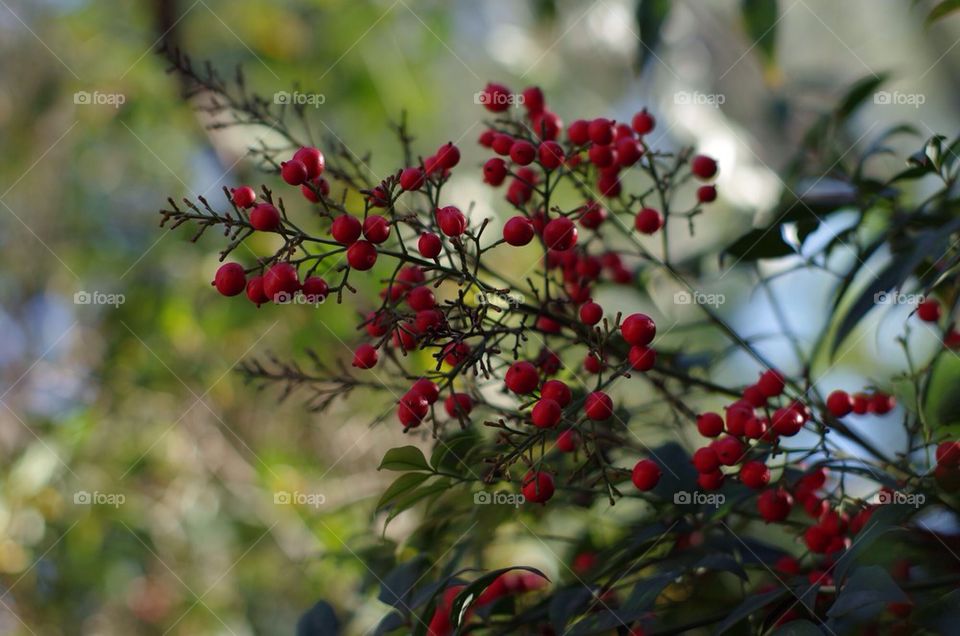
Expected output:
{"points": [[507, 584], [841, 403]]}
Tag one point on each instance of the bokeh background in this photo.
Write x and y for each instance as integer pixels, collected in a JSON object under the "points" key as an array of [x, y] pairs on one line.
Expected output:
{"points": [[138, 472]]}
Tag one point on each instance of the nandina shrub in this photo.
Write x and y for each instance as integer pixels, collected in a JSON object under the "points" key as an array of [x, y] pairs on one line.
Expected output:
{"points": [[779, 505]]}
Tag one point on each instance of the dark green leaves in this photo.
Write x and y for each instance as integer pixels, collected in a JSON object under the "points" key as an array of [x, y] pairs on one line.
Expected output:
{"points": [[651, 14], [404, 458], [942, 10], [866, 594], [858, 94], [760, 243], [319, 620], [760, 19]]}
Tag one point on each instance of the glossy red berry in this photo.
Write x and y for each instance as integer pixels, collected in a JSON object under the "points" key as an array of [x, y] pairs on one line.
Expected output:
{"points": [[265, 218], [255, 291], [643, 122], [243, 197], [502, 143], [230, 279], [537, 487], [774, 505], [365, 357], [546, 413], [638, 329], [522, 152], [312, 159], [293, 172], [591, 313], [710, 481], [376, 228], [705, 460], [429, 245], [771, 383], [628, 152], [881, 403], [787, 421], [601, 156], [495, 171], [421, 299], [427, 388], [598, 406], [707, 194], [532, 99], [496, 97], [315, 289], [703, 167], [451, 220], [412, 178], [948, 453], [641, 358], [601, 131], [522, 377], [839, 403], [592, 364], [551, 155], [346, 229], [646, 475], [518, 231], [579, 132], [281, 282], [560, 234], [458, 405], [816, 539], [593, 216], [648, 221], [362, 255], [448, 156], [312, 186], [754, 474], [929, 310], [729, 449], [411, 409], [556, 390], [709, 424], [568, 441]]}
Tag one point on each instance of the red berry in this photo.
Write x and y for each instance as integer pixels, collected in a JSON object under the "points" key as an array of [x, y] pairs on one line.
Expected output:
{"points": [[929, 310], [648, 221], [346, 229], [532, 99], [376, 228], [737, 416], [421, 299], [638, 329], [265, 218], [551, 155], [557, 391], [560, 234], [318, 185], [495, 171], [771, 383], [594, 214], [861, 403], [255, 291], [646, 475], [312, 159], [774, 505], [705, 460], [447, 156], [641, 358], [522, 377], [315, 289], [522, 152], [568, 441], [709, 424], [230, 279], [455, 353], [948, 453], [362, 255], [707, 194], [754, 396], [643, 122], [293, 172], [365, 357], [816, 539], [427, 388], [518, 231], [592, 364], [710, 481], [537, 487], [881, 403], [546, 125], [703, 167], [280, 282], [546, 413], [629, 151], [458, 405], [729, 449], [411, 409], [756, 428], [787, 421], [601, 156], [601, 131], [451, 220], [755, 474], [591, 313], [429, 245], [598, 406], [502, 143], [578, 132], [412, 178], [839, 403], [243, 197], [377, 324], [496, 98]]}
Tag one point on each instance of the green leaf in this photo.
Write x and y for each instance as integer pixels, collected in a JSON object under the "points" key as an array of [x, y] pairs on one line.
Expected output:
{"points": [[942, 10], [651, 14], [751, 604], [408, 500], [760, 243], [402, 484], [858, 93], [404, 458], [473, 590], [867, 593], [760, 19], [452, 452], [942, 401]]}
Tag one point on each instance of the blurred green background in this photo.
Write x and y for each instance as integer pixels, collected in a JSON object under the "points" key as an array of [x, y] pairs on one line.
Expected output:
{"points": [[138, 473]]}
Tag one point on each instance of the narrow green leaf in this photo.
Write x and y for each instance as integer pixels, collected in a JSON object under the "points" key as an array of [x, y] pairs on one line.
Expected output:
{"points": [[402, 484], [942, 10], [650, 14], [858, 93], [404, 458], [760, 20]]}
